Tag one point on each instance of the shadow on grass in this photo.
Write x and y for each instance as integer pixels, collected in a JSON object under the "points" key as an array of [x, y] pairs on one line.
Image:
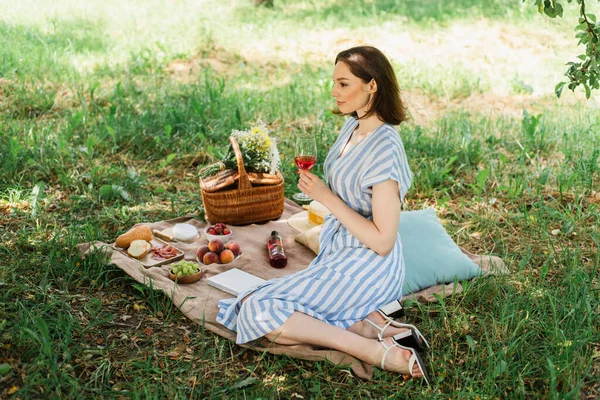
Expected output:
{"points": [[355, 11]]}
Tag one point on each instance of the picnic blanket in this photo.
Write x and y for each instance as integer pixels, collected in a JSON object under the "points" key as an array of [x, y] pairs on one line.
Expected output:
{"points": [[200, 301]]}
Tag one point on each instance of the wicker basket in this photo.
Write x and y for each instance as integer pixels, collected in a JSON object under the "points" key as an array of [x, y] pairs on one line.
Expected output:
{"points": [[245, 204]]}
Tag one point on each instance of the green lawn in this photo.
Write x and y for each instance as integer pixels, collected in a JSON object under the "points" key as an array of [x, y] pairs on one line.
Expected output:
{"points": [[108, 110]]}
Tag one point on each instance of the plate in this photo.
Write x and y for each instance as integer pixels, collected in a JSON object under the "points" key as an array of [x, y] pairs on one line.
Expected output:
{"points": [[147, 261], [169, 234]]}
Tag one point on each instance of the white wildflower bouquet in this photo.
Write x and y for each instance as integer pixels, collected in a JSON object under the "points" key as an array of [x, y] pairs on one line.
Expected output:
{"points": [[259, 150]]}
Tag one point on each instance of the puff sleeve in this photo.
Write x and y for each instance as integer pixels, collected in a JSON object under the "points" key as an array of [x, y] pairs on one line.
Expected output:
{"points": [[388, 162]]}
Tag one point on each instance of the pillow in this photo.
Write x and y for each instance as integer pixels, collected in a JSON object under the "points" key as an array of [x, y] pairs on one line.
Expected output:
{"points": [[430, 255], [310, 238]]}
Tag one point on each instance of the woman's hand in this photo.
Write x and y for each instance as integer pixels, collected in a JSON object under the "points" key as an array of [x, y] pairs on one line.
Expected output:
{"points": [[313, 186]]}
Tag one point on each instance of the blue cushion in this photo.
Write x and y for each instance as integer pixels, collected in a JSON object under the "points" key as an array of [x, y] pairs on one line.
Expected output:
{"points": [[430, 255]]}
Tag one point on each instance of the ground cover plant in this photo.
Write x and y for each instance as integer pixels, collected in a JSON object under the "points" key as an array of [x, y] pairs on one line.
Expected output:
{"points": [[109, 109]]}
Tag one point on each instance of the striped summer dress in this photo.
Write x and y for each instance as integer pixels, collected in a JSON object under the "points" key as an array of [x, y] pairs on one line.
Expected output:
{"points": [[347, 280]]}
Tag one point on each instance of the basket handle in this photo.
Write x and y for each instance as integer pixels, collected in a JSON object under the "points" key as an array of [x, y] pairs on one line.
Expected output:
{"points": [[244, 181]]}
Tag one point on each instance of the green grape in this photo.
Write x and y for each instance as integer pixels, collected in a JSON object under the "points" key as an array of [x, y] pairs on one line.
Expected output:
{"points": [[182, 268]]}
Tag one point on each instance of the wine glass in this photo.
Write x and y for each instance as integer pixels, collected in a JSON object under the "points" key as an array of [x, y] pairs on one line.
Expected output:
{"points": [[305, 156]]}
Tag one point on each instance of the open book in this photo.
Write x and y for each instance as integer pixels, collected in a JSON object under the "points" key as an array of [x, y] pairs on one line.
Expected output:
{"points": [[234, 281]]}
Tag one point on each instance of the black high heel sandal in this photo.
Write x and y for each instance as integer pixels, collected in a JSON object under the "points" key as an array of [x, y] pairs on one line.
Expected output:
{"points": [[411, 338]]}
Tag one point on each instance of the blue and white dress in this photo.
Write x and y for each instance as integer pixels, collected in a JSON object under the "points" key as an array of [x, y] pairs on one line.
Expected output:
{"points": [[347, 280]]}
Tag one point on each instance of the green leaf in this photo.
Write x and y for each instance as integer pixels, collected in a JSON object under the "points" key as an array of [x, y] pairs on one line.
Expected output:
{"points": [[36, 195], [316, 388], [90, 143], [500, 368], [132, 173], [559, 88], [549, 11], [4, 368], [111, 191], [123, 193], [450, 162], [106, 191], [559, 9], [482, 178], [471, 343], [243, 383], [167, 160], [588, 91], [568, 228]]}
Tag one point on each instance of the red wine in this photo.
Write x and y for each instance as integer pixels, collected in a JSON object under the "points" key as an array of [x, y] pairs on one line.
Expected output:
{"points": [[305, 162]]}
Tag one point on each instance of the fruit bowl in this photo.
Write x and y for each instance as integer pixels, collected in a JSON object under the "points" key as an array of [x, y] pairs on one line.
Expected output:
{"points": [[219, 230], [218, 252], [184, 278]]}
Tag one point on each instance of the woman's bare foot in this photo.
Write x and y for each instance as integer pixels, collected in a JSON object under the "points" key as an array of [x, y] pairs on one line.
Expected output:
{"points": [[367, 330], [397, 359]]}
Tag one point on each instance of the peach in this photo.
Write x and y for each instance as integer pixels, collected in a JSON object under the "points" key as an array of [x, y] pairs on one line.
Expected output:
{"points": [[226, 256], [216, 246], [202, 250], [210, 258], [234, 247]]}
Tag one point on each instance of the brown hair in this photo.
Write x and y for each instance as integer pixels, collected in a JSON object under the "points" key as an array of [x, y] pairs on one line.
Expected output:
{"points": [[367, 62]]}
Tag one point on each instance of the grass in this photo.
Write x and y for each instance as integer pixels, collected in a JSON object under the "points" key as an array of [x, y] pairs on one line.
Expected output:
{"points": [[109, 109]]}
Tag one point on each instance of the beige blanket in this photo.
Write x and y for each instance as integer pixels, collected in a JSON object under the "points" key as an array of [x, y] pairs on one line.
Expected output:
{"points": [[200, 300]]}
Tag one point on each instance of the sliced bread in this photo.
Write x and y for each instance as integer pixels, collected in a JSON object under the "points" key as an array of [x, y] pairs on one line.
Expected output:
{"points": [[139, 248]]}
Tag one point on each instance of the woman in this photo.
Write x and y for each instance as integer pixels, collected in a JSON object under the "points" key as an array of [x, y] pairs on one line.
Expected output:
{"points": [[334, 302]]}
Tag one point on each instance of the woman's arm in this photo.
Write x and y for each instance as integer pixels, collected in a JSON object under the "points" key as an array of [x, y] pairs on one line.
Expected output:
{"points": [[380, 234]]}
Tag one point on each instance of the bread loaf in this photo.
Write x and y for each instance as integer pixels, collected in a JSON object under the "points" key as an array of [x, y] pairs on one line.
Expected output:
{"points": [[139, 248], [219, 180], [262, 178], [140, 232]]}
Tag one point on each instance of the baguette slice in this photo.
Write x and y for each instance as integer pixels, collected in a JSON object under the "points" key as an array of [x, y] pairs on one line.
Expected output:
{"points": [[142, 232], [139, 248]]}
